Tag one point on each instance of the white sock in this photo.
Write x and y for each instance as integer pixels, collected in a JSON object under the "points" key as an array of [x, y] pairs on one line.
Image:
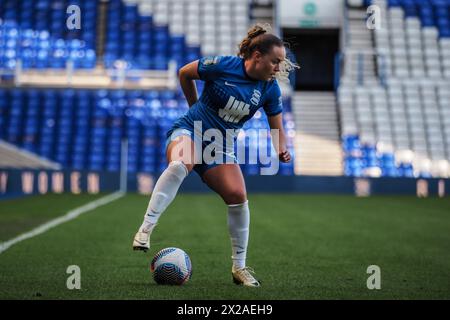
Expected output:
{"points": [[238, 226], [164, 192]]}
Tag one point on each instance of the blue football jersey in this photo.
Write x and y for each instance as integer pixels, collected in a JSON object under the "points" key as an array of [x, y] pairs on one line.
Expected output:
{"points": [[230, 97]]}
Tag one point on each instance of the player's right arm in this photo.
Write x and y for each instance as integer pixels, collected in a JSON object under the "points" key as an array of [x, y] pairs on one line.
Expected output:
{"points": [[187, 75]]}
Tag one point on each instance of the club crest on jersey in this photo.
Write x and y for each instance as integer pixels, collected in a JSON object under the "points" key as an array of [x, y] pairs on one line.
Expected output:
{"points": [[210, 60], [256, 97]]}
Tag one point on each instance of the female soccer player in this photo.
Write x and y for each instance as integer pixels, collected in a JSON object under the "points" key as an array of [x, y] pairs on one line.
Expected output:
{"points": [[235, 88]]}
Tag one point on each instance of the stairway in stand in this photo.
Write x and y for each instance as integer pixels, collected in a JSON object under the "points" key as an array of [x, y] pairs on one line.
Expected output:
{"points": [[317, 143]]}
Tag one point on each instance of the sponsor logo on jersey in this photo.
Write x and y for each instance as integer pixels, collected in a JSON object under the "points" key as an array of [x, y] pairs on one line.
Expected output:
{"points": [[234, 111]]}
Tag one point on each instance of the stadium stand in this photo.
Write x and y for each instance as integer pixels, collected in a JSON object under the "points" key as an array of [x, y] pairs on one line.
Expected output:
{"points": [[151, 33], [34, 32], [81, 128], [318, 150], [146, 34], [398, 125]]}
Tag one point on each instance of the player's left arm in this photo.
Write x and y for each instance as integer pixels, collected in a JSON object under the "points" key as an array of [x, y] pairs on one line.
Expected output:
{"points": [[187, 75], [279, 143]]}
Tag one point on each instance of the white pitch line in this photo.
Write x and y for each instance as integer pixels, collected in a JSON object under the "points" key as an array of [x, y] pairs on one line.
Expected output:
{"points": [[72, 214]]}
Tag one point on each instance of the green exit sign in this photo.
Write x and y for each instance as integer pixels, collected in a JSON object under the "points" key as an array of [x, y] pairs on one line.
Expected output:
{"points": [[310, 9], [309, 14]]}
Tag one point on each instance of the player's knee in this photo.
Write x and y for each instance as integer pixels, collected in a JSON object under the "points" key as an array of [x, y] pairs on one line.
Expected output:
{"points": [[178, 168], [181, 165], [181, 149], [235, 196]]}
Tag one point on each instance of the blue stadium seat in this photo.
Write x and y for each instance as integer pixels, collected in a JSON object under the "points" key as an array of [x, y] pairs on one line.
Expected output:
{"points": [[360, 157], [405, 170]]}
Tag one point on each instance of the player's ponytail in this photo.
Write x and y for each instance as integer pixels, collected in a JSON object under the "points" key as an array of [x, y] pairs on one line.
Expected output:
{"points": [[260, 39]]}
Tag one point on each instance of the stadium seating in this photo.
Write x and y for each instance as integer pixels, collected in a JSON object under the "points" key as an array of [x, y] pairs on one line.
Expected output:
{"points": [[133, 36], [35, 33], [144, 34], [83, 129], [148, 34], [415, 39], [409, 109]]}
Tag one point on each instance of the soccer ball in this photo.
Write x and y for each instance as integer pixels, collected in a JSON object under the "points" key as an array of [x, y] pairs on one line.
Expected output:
{"points": [[171, 266]]}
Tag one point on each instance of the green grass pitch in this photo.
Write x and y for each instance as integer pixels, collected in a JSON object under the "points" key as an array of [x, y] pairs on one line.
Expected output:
{"points": [[301, 247]]}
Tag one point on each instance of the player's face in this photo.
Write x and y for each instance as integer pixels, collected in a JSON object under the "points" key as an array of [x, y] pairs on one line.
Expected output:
{"points": [[269, 64]]}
